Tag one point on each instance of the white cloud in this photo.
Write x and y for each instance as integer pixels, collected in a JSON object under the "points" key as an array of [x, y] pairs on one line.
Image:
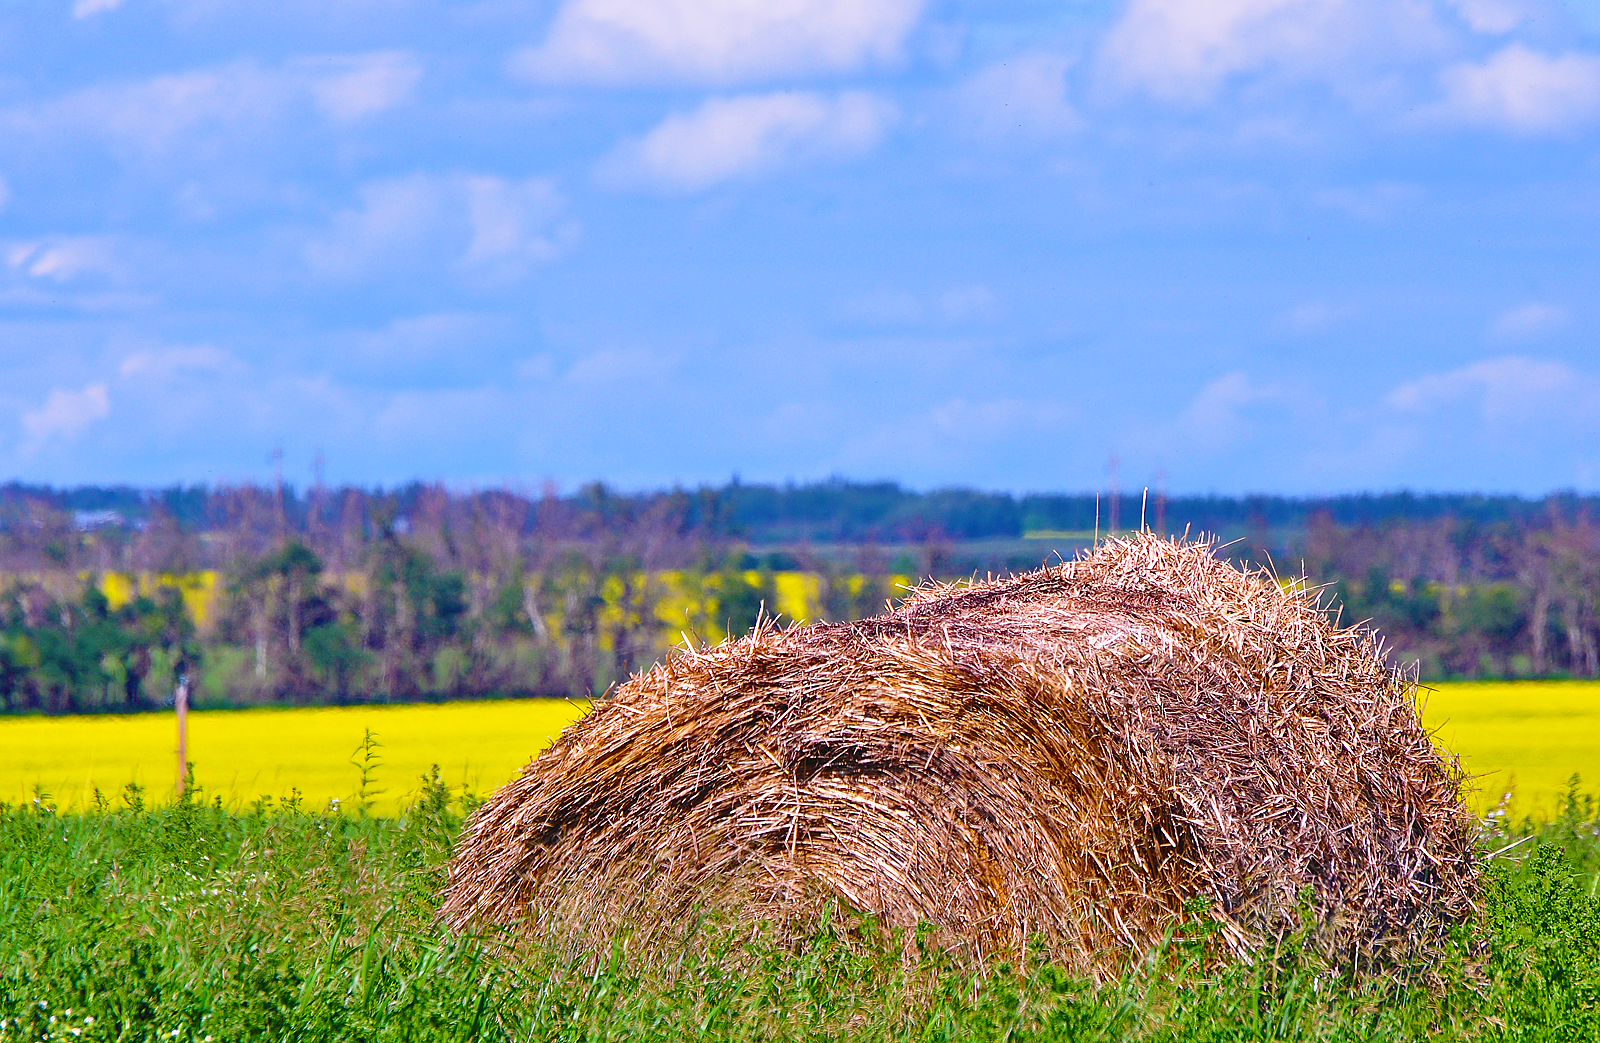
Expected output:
{"points": [[1186, 50], [1025, 94], [85, 272], [956, 304], [423, 337], [612, 366], [1182, 50], [480, 224], [87, 8], [349, 87], [1219, 414], [715, 41], [1314, 317], [62, 258], [158, 363], [514, 221], [394, 222], [1519, 89], [1375, 54], [152, 116], [733, 137], [1510, 388], [1530, 320], [64, 414], [171, 112], [1492, 17]]}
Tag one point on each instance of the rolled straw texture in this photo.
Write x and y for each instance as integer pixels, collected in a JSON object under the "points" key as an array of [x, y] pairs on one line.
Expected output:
{"points": [[1073, 754]]}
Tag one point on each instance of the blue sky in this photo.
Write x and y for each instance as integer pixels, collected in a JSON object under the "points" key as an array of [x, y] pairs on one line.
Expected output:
{"points": [[1296, 246]]}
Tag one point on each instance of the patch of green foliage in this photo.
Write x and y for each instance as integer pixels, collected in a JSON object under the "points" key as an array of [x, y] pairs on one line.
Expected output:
{"points": [[192, 922], [61, 656]]}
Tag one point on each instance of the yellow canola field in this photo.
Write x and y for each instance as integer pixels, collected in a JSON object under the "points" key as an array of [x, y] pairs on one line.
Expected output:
{"points": [[1529, 736], [241, 755], [1526, 737]]}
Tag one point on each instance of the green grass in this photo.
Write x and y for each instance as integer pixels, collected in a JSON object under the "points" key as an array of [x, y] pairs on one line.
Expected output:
{"points": [[191, 922]]}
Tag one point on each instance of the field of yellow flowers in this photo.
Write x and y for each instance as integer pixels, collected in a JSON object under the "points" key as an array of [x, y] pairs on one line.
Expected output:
{"points": [[1522, 738], [245, 755], [1526, 738]]}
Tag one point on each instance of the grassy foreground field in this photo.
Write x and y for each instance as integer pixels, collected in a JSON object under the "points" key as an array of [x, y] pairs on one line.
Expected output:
{"points": [[192, 923], [203, 920]]}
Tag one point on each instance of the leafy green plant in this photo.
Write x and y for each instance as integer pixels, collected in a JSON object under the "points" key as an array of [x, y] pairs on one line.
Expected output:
{"points": [[367, 761]]}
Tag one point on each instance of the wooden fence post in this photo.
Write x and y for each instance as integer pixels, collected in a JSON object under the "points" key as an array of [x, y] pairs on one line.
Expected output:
{"points": [[180, 701]]}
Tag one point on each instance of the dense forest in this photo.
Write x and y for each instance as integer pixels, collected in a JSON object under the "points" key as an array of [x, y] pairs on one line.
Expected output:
{"points": [[278, 595]]}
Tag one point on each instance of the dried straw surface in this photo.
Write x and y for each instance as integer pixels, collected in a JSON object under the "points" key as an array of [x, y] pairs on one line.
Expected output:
{"points": [[1074, 753]]}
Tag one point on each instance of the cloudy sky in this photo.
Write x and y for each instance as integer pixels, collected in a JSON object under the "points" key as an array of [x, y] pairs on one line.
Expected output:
{"points": [[1279, 245]]}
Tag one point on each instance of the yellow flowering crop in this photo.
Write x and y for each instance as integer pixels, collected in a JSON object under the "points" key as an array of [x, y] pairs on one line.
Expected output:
{"points": [[1529, 736], [241, 755], [1525, 736]]}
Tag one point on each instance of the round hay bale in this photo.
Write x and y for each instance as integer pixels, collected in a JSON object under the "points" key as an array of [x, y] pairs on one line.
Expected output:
{"points": [[1077, 753]]}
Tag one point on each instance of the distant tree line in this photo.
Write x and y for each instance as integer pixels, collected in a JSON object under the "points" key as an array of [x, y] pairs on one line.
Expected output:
{"points": [[68, 654], [851, 512], [834, 511], [1467, 599], [335, 595], [359, 595]]}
